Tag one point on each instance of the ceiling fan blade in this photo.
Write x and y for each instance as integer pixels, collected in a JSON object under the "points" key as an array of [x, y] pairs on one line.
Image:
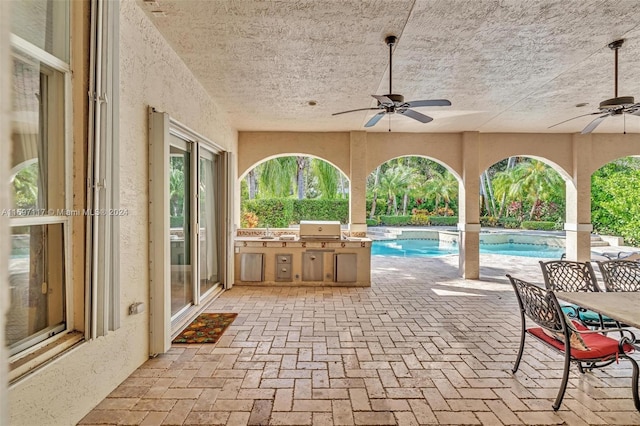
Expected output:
{"points": [[583, 115], [591, 126], [633, 109], [416, 115], [372, 122], [354, 110], [383, 100], [429, 102]]}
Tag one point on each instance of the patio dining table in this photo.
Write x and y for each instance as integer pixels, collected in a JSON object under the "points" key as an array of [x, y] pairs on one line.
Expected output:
{"points": [[622, 306]]}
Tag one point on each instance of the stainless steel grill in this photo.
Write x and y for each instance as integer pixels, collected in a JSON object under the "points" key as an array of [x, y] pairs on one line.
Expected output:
{"points": [[320, 230]]}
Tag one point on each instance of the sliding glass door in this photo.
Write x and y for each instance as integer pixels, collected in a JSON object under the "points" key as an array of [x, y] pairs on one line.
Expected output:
{"points": [[187, 228], [208, 248], [182, 289]]}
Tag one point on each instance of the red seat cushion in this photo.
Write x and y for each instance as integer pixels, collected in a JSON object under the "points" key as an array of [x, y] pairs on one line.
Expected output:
{"points": [[600, 346]]}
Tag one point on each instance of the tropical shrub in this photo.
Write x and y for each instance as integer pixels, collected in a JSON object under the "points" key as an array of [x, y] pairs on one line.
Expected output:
{"points": [[419, 219], [249, 220], [372, 222], [488, 221], [615, 200]]}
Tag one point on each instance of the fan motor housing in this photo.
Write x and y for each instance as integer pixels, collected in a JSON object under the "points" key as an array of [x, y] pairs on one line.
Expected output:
{"points": [[615, 103], [397, 99]]}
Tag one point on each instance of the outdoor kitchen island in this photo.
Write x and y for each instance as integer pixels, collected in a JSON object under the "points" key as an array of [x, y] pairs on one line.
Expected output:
{"points": [[318, 254]]}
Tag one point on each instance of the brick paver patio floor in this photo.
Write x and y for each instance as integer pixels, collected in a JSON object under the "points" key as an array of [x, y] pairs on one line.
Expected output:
{"points": [[420, 346]]}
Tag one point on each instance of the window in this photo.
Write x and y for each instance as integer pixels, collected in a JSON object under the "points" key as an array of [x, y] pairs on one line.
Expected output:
{"points": [[64, 281], [40, 292]]}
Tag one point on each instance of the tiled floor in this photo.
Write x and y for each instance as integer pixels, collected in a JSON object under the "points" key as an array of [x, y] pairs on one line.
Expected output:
{"points": [[421, 346]]}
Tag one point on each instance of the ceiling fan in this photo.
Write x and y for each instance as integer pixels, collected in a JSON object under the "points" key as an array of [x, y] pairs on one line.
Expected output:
{"points": [[394, 103], [614, 106]]}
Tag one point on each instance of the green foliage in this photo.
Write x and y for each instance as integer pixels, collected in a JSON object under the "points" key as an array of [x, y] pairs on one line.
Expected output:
{"points": [[615, 201], [249, 220], [443, 220], [419, 219], [509, 222], [25, 187], [491, 221], [176, 221], [320, 209], [272, 212], [281, 212], [372, 222], [538, 225], [395, 220]]}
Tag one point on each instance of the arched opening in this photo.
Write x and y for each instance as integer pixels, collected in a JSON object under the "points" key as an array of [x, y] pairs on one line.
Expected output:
{"points": [[523, 208], [283, 190], [412, 190], [522, 193], [615, 200]]}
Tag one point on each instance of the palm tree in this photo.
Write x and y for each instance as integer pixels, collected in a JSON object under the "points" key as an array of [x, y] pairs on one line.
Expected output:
{"points": [[532, 181], [443, 186], [276, 177], [394, 181], [327, 178]]}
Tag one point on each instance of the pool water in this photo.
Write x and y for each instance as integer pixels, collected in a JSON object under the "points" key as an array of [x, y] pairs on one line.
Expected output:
{"points": [[435, 248]]}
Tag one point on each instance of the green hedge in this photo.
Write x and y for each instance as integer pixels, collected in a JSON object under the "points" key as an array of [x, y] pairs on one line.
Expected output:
{"points": [[443, 220], [311, 209], [281, 212], [538, 225], [509, 222], [372, 222], [395, 220], [274, 212]]}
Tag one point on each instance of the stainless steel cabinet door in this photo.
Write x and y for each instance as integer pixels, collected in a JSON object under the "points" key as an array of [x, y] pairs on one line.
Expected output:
{"points": [[312, 266], [345, 267], [251, 267]]}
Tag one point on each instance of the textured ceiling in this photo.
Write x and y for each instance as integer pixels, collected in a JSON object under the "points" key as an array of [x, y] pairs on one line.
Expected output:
{"points": [[505, 65]]}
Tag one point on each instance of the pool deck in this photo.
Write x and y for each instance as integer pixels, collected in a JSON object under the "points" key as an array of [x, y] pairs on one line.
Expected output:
{"points": [[420, 346]]}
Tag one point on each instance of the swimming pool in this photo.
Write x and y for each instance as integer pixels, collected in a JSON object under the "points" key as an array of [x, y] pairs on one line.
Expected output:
{"points": [[435, 248]]}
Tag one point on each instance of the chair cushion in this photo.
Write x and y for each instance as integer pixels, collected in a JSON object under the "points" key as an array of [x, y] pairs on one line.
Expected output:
{"points": [[575, 339], [600, 346]]}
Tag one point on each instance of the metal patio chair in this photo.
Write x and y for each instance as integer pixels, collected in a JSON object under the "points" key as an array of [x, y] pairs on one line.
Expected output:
{"points": [[620, 274], [542, 308], [566, 275]]}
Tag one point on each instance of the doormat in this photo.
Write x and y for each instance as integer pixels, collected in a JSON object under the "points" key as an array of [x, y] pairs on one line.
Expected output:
{"points": [[206, 328]]}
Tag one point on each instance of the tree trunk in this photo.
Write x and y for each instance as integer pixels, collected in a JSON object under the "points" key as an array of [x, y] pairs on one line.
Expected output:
{"points": [[483, 193], [300, 176], [251, 181], [490, 194], [510, 164], [405, 201], [375, 193]]}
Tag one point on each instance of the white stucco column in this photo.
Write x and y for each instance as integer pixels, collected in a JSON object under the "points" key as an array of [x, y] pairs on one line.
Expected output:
{"points": [[5, 239], [578, 225], [468, 210], [358, 184]]}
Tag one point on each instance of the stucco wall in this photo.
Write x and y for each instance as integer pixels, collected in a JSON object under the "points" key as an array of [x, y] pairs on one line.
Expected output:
{"points": [[151, 74], [5, 135]]}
